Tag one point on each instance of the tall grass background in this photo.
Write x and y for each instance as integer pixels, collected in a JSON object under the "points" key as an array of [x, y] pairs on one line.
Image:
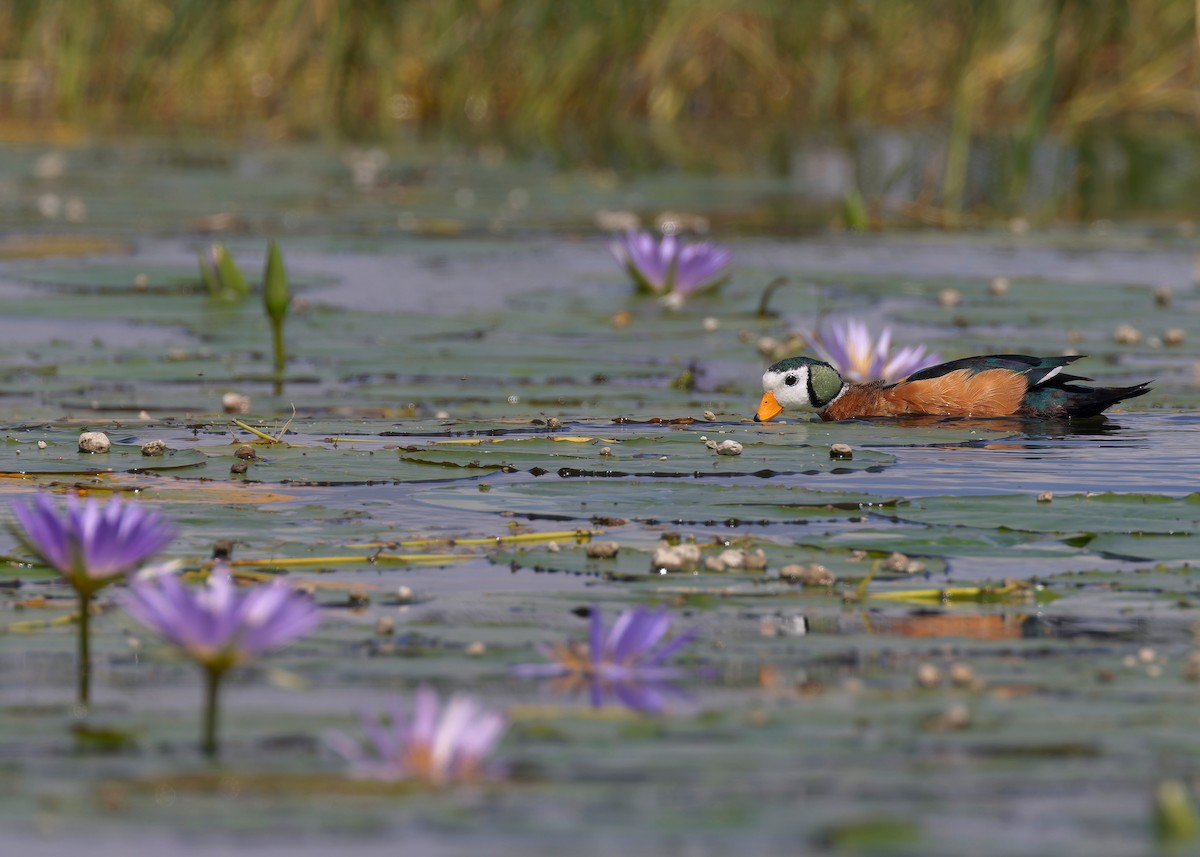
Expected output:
{"points": [[706, 84]]}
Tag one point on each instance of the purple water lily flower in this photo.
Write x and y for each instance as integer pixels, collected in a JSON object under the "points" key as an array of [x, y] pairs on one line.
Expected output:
{"points": [[90, 545], [626, 663], [217, 626], [437, 745], [671, 267], [849, 348]]}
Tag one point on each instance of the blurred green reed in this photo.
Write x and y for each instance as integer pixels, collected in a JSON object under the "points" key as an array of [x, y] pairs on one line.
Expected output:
{"points": [[714, 84]]}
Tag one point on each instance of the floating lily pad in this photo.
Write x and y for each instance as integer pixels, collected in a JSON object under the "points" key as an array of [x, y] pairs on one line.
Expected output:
{"points": [[662, 501], [131, 277], [1071, 513], [20, 454], [671, 455]]}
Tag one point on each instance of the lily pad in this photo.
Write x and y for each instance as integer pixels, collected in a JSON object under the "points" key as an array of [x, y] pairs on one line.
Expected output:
{"points": [[659, 501], [670, 455], [62, 456], [1070, 513]]}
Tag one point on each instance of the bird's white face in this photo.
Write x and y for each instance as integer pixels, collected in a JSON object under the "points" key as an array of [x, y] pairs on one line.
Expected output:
{"points": [[792, 384], [789, 387]]}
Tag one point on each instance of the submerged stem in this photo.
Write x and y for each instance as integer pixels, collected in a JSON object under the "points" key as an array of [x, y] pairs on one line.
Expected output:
{"points": [[764, 310], [277, 341], [212, 681], [84, 666]]}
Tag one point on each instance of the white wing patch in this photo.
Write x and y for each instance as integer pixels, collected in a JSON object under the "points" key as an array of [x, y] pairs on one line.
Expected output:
{"points": [[1048, 375]]}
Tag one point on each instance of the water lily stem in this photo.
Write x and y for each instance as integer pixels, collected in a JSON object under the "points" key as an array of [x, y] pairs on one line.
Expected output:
{"points": [[764, 303], [277, 340], [866, 581], [212, 681], [85, 649]]}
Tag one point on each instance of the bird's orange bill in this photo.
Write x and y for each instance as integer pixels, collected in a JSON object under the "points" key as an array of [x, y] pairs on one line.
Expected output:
{"points": [[768, 409]]}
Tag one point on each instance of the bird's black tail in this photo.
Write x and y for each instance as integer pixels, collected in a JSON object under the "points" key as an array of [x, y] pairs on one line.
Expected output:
{"points": [[1077, 401]]}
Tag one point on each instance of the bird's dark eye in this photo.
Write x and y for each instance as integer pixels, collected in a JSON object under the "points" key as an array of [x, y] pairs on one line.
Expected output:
{"points": [[791, 380]]}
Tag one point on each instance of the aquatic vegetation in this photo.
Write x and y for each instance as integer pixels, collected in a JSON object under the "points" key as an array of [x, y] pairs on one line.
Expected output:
{"points": [[221, 274], [90, 545], [1174, 813], [671, 267], [435, 744], [849, 348], [276, 297], [216, 626], [627, 663]]}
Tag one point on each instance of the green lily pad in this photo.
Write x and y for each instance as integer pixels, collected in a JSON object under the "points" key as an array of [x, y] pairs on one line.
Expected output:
{"points": [[1070, 513], [671, 455], [20, 454], [660, 501]]}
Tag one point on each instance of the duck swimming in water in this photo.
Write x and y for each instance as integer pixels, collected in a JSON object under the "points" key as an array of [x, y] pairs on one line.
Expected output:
{"points": [[996, 385]]}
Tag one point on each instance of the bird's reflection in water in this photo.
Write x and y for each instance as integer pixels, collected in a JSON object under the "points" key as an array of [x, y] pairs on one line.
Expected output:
{"points": [[1032, 428]]}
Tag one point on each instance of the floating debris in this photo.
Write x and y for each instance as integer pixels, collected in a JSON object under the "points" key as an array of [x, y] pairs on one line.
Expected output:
{"points": [[998, 287], [1163, 296], [812, 574], [602, 550], [928, 675], [154, 448], [1127, 334], [901, 564], [949, 298], [1174, 336], [1045, 497], [94, 442], [956, 716], [755, 560], [245, 451], [235, 403], [768, 346], [841, 451], [961, 675], [668, 558], [710, 416], [725, 447], [1191, 667], [616, 221]]}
